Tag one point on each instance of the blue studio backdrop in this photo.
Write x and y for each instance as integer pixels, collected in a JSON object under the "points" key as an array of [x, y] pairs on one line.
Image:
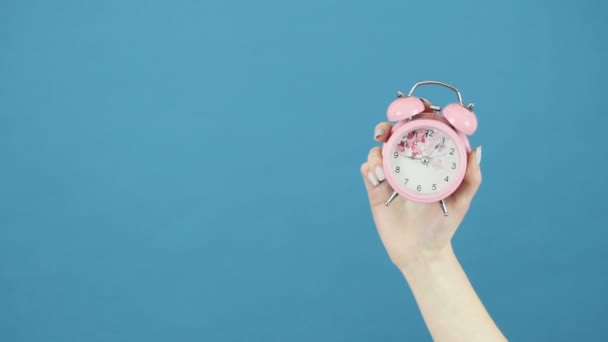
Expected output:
{"points": [[189, 170]]}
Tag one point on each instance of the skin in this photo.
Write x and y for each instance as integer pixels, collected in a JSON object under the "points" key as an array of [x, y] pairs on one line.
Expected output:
{"points": [[417, 238]]}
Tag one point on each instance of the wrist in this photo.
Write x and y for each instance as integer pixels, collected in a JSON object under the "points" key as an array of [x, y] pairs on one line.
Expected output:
{"points": [[427, 260]]}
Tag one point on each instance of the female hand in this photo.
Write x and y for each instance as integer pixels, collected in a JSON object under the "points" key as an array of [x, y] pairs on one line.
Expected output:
{"points": [[410, 230]]}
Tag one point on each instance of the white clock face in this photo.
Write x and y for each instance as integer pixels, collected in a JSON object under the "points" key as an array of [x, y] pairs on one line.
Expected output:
{"points": [[425, 161]]}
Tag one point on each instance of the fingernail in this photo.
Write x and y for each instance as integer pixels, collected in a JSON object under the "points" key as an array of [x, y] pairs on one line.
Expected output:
{"points": [[372, 178], [478, 156], [378, 133], [379, 173]]}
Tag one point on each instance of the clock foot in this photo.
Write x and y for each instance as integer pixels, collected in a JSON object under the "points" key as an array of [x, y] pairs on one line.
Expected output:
{"points": [[390, 199], [444, 208]]}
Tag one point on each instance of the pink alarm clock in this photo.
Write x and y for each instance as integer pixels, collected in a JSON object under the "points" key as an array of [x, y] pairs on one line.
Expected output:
{"points": [[425, 158]]}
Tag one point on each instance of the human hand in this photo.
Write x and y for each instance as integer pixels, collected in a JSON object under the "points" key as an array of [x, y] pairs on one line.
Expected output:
{"points": [[409, 230]]}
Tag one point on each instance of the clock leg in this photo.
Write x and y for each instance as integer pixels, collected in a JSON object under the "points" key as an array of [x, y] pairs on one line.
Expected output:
{"points": [[444, 207], [390, 199]]}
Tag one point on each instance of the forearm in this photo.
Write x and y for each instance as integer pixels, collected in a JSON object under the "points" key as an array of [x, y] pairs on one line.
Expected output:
{"points": [[449, 305]]}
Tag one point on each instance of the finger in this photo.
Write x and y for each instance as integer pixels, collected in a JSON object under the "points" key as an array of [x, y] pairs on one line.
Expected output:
{"points": [[472, 180], [377, 188], [374, 159], [382, 131]]}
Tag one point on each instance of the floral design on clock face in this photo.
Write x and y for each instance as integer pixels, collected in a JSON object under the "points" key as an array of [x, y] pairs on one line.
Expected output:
{"points": [[425, 161]]}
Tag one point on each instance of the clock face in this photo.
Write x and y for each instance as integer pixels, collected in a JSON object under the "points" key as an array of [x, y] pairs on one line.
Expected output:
{"points": [[424, 161]]}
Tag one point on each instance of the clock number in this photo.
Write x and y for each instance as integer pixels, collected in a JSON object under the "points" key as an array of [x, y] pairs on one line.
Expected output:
{"points": [[406, 180], [452, 151], [434, 186], [396, 155], [430, 133], [446, 178], [397, 169], [453, 166], [419, 187]]}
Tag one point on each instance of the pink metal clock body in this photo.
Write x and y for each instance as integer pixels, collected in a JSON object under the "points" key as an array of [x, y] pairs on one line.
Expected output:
{"points": [[425, 158]]}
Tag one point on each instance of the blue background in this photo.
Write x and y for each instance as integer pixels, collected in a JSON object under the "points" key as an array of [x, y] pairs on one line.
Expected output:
{"points": [[189, 170]]}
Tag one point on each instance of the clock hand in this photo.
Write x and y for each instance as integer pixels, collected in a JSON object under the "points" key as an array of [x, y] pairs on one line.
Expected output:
{"points": [[422, 158], [436, 147]]}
